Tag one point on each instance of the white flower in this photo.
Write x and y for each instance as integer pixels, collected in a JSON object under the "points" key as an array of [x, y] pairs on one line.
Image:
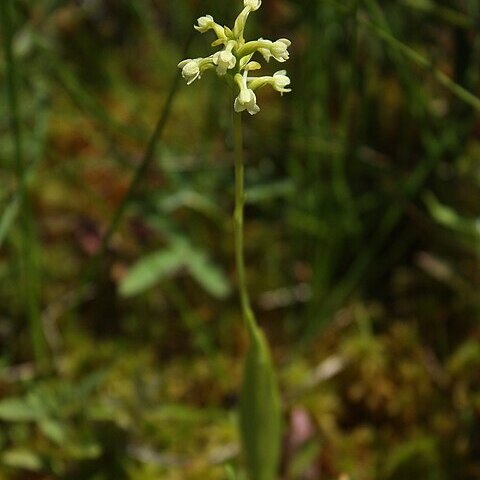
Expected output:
{"points": [[262, 46], [252, 4], [193, 68], [205, 24], [235, 59], [279, 49], [280, 82], [246, 99], [190, 69], [225, 60]]}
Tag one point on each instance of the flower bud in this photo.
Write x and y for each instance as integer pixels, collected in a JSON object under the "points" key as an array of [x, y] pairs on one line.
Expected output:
{"points": [[252, 4], [205, 24], [252, 66]]}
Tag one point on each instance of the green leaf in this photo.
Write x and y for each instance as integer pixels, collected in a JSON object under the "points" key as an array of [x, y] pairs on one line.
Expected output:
{"points": [[260, 411], [181, 254], [53, 430], [210, 277], [178, 413], [86, 451], [450, 15], [89, 384], [22, 458], [269, 191], [150, 270], [418, 457], [192, 200], [230, 472], [449, 218], [7, 219], [20, 410], [304, 459]]}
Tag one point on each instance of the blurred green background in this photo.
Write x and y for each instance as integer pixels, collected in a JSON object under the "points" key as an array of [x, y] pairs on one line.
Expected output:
{"points": [[362, 241]]}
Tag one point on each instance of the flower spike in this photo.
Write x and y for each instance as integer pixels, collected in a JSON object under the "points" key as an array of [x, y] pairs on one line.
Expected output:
{"points": [[235, 59]]}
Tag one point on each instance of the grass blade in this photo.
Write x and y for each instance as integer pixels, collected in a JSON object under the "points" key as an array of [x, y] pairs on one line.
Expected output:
{"points": [[29, 274]]}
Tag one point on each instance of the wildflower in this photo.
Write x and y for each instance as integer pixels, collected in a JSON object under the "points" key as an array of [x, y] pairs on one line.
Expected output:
{"points": [[281, 81], [205, 24], [268, 49], [190, 70], [246, 99], [236, 56], [260, 412], [193, 68], [225, 60], [277, 50]]}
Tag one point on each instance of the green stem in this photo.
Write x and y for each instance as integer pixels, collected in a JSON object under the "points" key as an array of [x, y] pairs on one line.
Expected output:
{"points": [[27, 258], [238, 215]]}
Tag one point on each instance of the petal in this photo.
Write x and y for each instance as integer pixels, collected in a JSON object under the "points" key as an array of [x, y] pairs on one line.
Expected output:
{"points": [[193, 79], [238, 106]]}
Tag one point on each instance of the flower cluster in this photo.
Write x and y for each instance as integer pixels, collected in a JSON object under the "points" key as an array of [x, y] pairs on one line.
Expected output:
{"points": [[235, 59]]}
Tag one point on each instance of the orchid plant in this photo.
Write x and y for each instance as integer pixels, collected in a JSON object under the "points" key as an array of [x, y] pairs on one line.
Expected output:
{"points": [[260, 409]]}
